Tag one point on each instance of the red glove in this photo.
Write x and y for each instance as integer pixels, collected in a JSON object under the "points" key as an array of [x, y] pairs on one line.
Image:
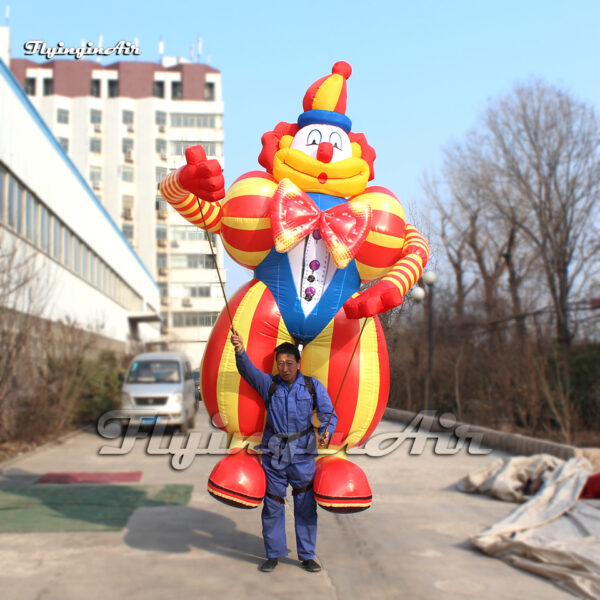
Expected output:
{"points": [[201, 177], [374, 300]]}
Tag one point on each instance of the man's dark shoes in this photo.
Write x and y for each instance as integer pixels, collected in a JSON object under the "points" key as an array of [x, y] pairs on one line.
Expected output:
{"points": [[269, 565], [311, 565]]}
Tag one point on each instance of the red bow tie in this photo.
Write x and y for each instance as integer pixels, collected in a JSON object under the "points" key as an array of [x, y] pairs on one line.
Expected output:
{"points": [[294, 216]]}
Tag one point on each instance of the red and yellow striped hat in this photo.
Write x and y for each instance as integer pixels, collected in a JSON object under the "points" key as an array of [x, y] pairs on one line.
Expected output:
{"points": [[325, 99]]}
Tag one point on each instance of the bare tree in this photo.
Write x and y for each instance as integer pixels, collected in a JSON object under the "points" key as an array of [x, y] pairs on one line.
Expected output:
{"points": [[544, 151], [519, 217]]}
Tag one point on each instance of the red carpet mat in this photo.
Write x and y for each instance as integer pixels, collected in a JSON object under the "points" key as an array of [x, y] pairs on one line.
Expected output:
{"points": [[122, 477]]}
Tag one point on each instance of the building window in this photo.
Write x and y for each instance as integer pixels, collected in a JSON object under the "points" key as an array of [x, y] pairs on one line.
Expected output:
{"points": [[3, 176], [95, 173], [194, 319], [64, 142], [113, 88], [128, 117], [30, 216], [56, 237], [161, 146], [161, 260], [95, 145], [14, 204], [95, 88], [128, 232], [127, 174], [76, 255], [192, 120], [185, 290], [44, 228], [161, 232], [158, 89], [191, 261], [62, 115], [30, 86], [67, 247], [95, 116], [160, 173], [161, 203], [209, 91], [176, 90], [48, 87], [189, 233], [84, 261], [127, 145], [127, 203], [160, 117], [164, 290], [179, 147]]}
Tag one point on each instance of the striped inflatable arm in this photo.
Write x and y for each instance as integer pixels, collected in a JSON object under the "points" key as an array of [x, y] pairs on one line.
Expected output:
{"points": [[186, 204], [389, 292]]}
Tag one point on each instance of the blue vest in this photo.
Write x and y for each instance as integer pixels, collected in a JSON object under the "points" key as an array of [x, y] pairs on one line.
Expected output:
{"points": [[276, 273]]}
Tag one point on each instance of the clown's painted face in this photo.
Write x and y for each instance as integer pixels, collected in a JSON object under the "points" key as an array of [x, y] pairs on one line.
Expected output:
{"points": [[321, 158], [314, 140]]}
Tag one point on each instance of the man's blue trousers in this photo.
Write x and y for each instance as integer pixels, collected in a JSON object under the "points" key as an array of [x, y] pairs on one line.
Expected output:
{"points": [[299, 474]]}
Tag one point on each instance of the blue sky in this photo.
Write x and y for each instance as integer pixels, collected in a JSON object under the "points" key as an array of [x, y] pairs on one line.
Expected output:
{"points": [[423, 71]]}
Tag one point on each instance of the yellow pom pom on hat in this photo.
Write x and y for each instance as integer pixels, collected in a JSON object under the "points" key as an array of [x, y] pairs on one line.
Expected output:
{"points": [[325, 100]]}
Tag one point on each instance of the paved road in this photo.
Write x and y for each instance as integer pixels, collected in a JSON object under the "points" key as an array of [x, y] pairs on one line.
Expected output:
{"points": [[412, 543]]}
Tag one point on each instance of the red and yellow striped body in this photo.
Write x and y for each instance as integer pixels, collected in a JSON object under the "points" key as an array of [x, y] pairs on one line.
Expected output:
{"points": [[392, 251], [236, 407]]}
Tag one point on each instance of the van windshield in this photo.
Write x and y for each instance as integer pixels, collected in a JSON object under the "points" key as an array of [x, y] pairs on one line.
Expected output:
{"points": [[154, 371]]}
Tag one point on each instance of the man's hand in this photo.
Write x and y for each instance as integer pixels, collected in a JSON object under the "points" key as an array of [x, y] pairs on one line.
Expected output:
{"points": [[238, 342], [202, 177], [324, 440]]}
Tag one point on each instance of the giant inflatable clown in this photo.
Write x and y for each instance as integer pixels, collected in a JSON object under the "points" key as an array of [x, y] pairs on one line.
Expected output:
{"points": [[313, 233]]}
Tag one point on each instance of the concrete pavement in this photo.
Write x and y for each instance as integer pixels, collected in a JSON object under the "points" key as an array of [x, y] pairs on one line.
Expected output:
{"points": [[412, 543]]}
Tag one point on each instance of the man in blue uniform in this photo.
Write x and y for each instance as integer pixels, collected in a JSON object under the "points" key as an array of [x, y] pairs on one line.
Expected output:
{"points": [[288, 448]]}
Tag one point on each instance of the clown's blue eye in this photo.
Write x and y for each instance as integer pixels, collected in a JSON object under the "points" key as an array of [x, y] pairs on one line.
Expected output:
{"points": [[335, 139], [314, 138]]}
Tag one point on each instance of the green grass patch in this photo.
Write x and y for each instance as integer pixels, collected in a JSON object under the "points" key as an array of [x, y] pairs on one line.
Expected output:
{"points": [[69, 508]]}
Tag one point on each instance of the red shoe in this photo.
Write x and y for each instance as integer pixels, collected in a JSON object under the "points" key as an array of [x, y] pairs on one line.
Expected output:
{"points": [[238, 479], [341, 486]]}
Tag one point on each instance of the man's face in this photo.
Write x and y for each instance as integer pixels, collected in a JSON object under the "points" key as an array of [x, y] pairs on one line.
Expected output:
{"points": [[287, 367]]}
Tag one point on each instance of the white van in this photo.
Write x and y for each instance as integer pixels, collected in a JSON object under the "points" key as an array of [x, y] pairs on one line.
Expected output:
{"points": [[159, 388]]}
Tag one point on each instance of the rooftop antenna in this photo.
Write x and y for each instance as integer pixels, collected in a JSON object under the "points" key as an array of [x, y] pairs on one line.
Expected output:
{"points": [[161, 47], [7, 14], [199, 48], [100, 42]]}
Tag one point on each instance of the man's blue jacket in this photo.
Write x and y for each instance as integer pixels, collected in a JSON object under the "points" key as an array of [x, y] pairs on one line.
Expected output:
{"points": [[291, 409]]}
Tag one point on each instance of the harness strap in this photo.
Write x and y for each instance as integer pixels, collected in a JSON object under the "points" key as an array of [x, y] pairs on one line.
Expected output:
{"points": [[288, 438], [276, 498], [296, 491]]}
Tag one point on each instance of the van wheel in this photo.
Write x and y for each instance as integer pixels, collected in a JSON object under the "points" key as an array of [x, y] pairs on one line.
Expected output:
{"points": [[191, 422]]}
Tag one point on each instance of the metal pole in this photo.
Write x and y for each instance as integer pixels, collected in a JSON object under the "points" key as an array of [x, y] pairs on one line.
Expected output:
{"points": [[430, 345], [214, 255]]}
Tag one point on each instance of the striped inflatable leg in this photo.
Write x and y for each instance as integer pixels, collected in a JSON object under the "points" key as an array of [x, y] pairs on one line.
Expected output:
{"points": [[234, 406], [342, 486], [364, 394], [232, 403]]}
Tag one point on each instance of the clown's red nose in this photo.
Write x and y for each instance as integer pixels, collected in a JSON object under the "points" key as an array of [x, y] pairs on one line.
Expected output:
{"points": [[325, 152]]}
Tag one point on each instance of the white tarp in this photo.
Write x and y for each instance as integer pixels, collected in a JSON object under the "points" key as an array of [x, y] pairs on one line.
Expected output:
{"points": [[553, 534]]}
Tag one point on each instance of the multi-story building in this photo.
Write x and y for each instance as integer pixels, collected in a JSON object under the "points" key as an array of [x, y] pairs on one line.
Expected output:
{"points": [[125, 126], [62, 257]]}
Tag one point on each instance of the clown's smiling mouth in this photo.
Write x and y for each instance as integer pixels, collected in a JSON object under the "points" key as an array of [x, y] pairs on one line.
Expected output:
{"points": [[323, 177]]}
